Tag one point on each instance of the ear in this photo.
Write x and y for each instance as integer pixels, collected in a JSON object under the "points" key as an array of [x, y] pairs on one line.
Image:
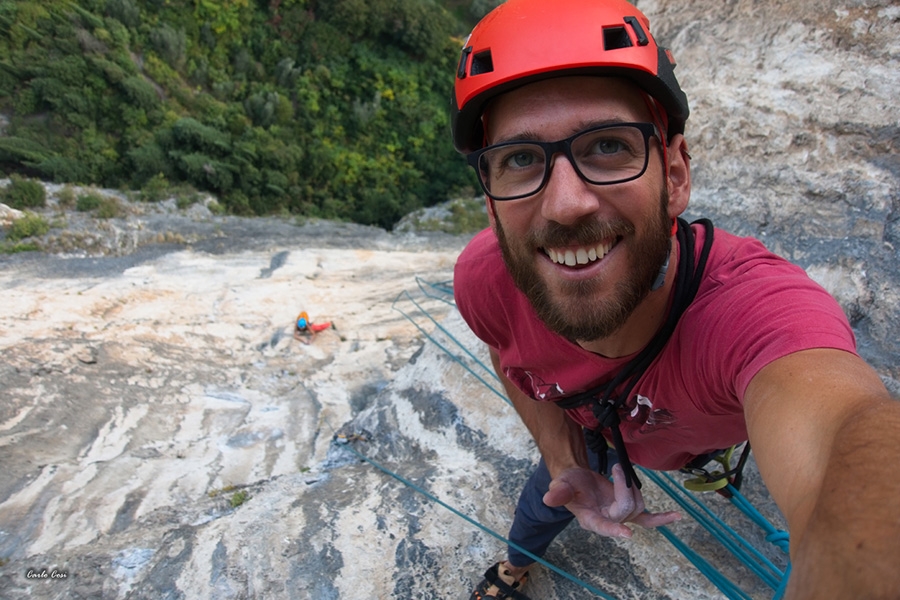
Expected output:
{"points": [[679, 178]]}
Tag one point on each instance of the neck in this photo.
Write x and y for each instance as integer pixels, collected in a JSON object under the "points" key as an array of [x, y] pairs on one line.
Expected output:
{"points": [[642, 324]]}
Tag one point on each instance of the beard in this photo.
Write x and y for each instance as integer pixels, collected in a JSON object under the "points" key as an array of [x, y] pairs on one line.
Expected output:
{"points": [[578, 310]]}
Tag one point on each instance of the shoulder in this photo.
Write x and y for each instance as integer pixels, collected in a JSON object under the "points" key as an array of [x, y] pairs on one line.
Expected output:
{"points": [[483, 246], [480, 267], [743, 270], [486, 296], [754, 307]]}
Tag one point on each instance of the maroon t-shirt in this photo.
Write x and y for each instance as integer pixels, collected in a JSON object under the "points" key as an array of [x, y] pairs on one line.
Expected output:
{"points": [[752, 308]]}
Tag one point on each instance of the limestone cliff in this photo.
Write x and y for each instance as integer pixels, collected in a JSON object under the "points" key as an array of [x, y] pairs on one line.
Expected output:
{"points": [[162, 435]]}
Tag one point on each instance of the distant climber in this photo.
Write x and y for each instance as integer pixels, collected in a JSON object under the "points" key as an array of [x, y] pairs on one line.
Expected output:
{"points": [[305, 330]]}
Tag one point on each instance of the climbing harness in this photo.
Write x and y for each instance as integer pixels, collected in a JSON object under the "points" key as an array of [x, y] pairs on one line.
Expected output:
{"points": [[603, 404], [717, 481], [726, 481]]}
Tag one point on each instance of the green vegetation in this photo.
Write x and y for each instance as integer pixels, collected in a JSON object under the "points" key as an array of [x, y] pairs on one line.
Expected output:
{"points": [[103, 206], [66, 198], [319, 108], [30, 225], [460, 216], [88, 202], [22, 193], [7, 248], [239, 498]]}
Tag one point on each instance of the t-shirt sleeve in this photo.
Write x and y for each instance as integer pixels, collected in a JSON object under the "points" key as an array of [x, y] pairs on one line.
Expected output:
{"points": [[473, 287], [762, 309]]}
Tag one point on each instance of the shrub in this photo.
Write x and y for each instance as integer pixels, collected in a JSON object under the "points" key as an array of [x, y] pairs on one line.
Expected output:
{"points": [[29, 225], [65, 198], [156, 189], [170, 44], [239, 498], [64, 170], [140, 92], [107, 207], [126, 11], [24, 193], [110, 208], [88, 202], [14, 249], [185, 196]]}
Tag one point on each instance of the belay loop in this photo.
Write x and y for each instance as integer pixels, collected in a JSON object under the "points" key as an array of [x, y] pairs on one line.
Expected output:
{"points": [[606, 407]]}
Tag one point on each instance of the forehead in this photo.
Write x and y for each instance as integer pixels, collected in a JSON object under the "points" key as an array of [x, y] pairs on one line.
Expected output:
{"points": [[556, 108]]}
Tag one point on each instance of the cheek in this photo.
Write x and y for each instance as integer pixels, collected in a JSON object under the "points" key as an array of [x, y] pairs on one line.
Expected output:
{"points": [[516, 220]]}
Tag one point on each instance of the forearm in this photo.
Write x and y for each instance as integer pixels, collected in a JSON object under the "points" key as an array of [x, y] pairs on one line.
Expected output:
{"points": [[825, 434], [849, 546], [559, 438]]}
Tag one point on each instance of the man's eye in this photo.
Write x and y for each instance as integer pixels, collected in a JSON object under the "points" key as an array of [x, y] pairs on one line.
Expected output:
{"points": [[520, 160], [609, 146]]}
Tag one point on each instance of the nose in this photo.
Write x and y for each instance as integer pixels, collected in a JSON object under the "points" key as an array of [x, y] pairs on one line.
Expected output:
{"points": [[567, 198]]}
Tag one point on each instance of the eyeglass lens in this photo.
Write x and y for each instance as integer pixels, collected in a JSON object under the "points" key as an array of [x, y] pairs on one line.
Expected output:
{"points": [[605, 155]]}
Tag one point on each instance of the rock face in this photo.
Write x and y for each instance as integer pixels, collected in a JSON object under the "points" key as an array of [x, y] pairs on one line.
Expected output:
{"points": [[162, 435], [794, 133]]}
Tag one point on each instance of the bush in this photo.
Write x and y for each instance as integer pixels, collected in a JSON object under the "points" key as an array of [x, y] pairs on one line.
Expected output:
{"points": [[29, 225], [15, 249], [126, 11], [88, 202], [140, 92], [110, 208], [107, 207], [65, 198], [155, 189], [170, 44], [24, 193]]}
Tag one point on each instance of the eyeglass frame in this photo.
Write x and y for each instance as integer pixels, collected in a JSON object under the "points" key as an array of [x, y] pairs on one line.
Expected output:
{"points": [[564, 146]]}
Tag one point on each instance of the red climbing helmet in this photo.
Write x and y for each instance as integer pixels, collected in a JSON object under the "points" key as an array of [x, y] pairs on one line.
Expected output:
{"points": [[522, 41]]}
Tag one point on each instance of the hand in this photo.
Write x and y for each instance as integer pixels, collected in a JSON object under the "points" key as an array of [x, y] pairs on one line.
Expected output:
{"points": [[602, 506]]}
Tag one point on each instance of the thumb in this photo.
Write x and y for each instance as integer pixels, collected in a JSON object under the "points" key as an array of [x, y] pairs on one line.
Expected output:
{"points": [[559, 493]]}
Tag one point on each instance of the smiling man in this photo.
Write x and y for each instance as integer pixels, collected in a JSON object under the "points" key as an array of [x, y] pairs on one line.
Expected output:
{"points": [[625, 336]]}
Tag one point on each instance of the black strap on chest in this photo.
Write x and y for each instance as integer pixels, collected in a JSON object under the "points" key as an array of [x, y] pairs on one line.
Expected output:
{"points": [[604, 405]]}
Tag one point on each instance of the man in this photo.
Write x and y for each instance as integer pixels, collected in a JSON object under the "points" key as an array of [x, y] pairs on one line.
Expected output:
{"points": [[603, 312], [305, 330]]}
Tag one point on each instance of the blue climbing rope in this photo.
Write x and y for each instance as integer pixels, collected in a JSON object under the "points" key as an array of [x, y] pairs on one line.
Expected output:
{"points": [[483, 528], [739, 547], [456, 357]]}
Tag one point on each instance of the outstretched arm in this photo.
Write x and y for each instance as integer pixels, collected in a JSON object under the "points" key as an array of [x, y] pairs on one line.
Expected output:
{"points": [[826, 435], [599, 505]]}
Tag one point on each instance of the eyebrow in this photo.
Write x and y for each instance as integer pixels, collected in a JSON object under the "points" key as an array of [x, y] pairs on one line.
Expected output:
{"points": [[529, 135]]}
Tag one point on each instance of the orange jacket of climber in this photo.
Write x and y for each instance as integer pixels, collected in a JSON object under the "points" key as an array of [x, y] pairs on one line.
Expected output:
{"points": [[305, 330]]}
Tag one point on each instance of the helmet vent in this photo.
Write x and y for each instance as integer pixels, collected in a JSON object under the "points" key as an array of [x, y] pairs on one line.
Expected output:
{"points": [[461, 69], [482, 63], [615, 38]]}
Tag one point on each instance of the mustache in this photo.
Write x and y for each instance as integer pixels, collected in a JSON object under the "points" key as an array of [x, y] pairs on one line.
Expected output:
{"points": [[580, 234]]}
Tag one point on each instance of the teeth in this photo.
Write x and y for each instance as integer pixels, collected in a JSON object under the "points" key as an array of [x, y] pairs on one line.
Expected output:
{"points": [[580, 256]]}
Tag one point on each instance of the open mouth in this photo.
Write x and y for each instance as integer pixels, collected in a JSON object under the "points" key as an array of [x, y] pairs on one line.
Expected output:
{"points": [[580, 255]]}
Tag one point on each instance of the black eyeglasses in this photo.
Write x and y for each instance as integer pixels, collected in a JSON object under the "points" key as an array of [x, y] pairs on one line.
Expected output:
{"points": [[601, 155]]}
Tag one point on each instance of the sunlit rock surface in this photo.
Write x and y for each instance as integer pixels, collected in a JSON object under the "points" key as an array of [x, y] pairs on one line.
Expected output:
{"points": [[163, 436]]}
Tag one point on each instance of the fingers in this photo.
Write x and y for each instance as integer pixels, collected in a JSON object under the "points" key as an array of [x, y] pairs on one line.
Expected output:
{"points": [[629, 502], [559, 493], [600, 509], [629, 505], [603, 526], [649, 520]]}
